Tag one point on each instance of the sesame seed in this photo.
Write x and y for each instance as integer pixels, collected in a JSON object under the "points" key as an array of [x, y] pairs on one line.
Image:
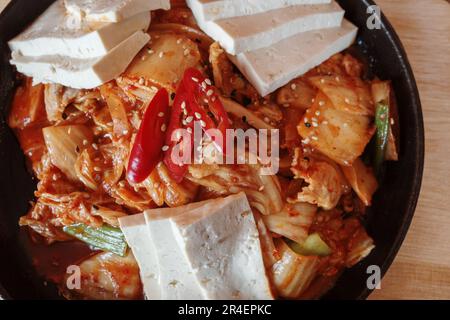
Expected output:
{"points": [[161, 114], [150, 51], [293, 86], [346, 163], [314, 138], [97, 169], [317, 113], [321, 103], [338, 79], [141, 81], [202, 123], [189, 130], [322, 80], [189, 119], [125, 132], [165, 148], [208, 82], [185, 112], [347, 100], [315, 125], [121, 184], [314, 119], [194, 79], [345, 125], [210, 92], [261, 188], [266, 119], [313, 100], [85, 142], [95, 146], [161, 54], [69, 131], [198, 115], [325, 122], [179, 41], [306, 120], [205, 101], [306, 141], [204, 85], [392, 121], [286, 105], [183, 105], [213, 99], [186, 52]]}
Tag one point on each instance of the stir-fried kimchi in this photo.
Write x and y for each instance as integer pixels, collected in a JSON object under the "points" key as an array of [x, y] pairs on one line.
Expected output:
{"points": [[310, 215]]}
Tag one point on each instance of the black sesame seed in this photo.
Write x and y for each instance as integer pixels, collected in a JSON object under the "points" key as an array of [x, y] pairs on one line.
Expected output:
{"points": [[308, 125], [246, 101], [172, 96]]}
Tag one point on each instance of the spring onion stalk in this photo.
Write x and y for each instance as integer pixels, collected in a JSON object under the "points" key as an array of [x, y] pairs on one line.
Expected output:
{"points": [[105, 238], [382, 134], [312, 246]]}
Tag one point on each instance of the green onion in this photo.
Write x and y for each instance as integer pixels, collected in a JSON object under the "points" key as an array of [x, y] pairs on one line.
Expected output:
{"points": [[382, 135], [105, 238], [312, 246]]}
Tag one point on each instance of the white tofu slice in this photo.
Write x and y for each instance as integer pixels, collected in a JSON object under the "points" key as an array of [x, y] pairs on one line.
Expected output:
{"points": [[138, 238], [81, 73], [112, 10], [208, 10], [221, 243], [177, 280], [56, 33], [242, 34], [270, 68]]}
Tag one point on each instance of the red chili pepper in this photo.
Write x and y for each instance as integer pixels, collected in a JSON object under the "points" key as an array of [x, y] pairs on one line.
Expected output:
{"points": [[147, 149], [177, 171], [204, 99], [195, 98]]}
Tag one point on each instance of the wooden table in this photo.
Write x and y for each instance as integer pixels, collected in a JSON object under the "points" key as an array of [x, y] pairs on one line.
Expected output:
{"points": [[422, 268]]}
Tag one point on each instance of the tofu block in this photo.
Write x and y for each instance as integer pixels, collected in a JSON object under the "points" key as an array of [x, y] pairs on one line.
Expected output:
{"points": [[208, 10], [81, 73], [138, 238], [270, 68], [176, 279], [221, 242], [112, 10], [248, 33], [56, 33]]}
